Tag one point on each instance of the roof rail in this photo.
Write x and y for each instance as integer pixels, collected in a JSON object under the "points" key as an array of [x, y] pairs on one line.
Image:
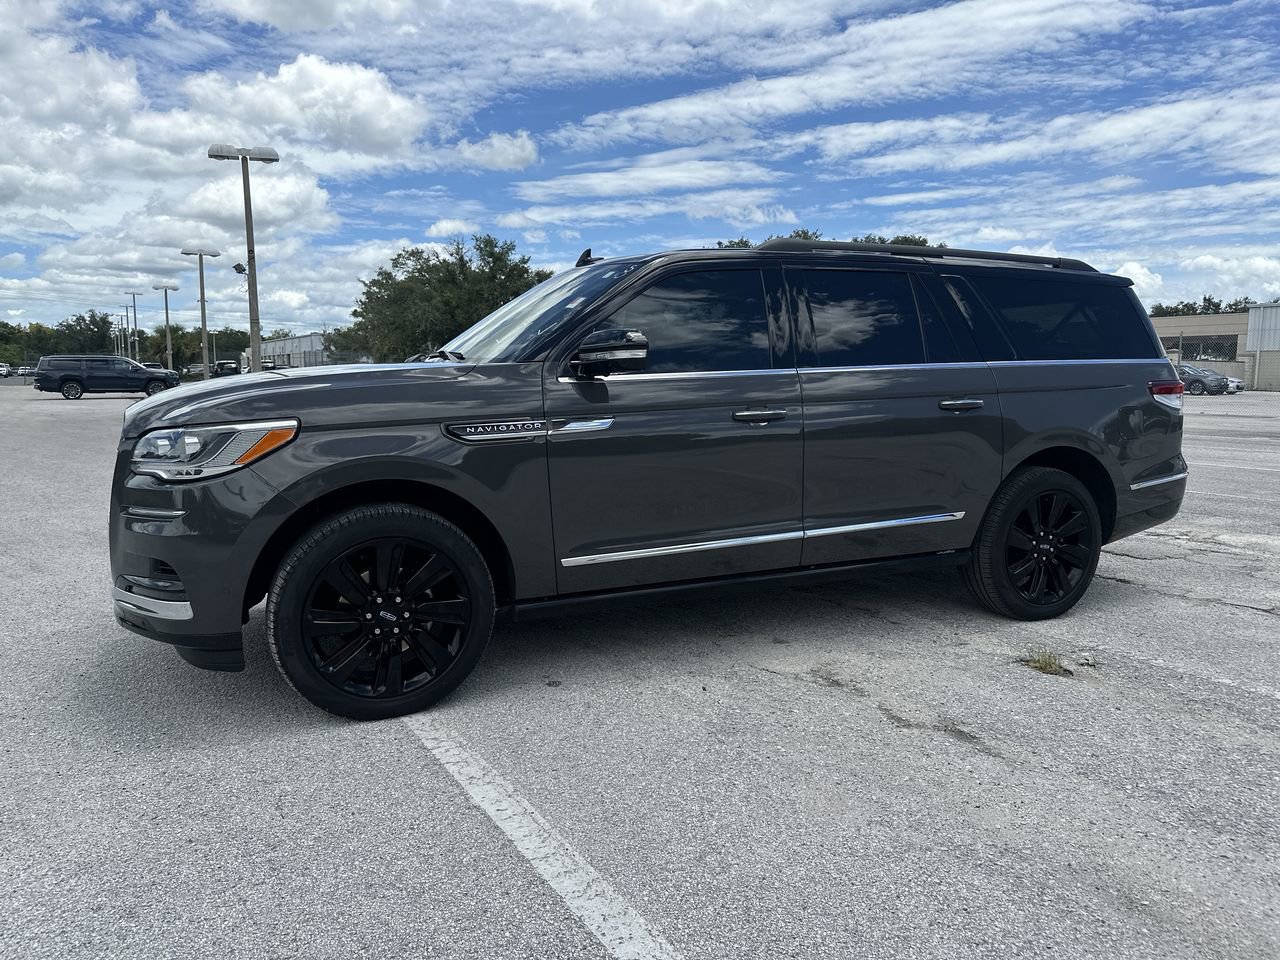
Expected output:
{"points": [[911, 250]]}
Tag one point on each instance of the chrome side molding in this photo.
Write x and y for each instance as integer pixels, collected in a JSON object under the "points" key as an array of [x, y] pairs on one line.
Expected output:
{"points": [[700, 546], [1159, 480]]}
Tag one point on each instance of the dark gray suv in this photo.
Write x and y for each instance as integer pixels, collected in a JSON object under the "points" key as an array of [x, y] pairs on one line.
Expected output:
{"points": [[74, 375], [647, 423]]}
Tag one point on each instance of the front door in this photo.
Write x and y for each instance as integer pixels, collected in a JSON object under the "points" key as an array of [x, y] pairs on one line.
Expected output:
{"points": [[691, 469], [903, 433]]}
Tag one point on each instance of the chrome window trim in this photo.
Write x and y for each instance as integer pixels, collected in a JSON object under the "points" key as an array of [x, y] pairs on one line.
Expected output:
{"points": [[1043, 363], [681, 375], [701, 546], [959, 365], [1172, 478], [159, 609]]}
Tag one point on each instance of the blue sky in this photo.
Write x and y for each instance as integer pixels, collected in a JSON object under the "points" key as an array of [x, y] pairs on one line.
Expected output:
{"points": [[1141, 136]]}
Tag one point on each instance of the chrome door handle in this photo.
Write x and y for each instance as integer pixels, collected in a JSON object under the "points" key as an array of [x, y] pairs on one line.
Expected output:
{"points": [[968, 403], [759, 416]]}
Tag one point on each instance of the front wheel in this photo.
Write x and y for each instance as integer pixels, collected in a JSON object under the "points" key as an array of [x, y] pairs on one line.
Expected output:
{"points": [[1038, 546], [154, 387], [1196, 387], [380, 610]]}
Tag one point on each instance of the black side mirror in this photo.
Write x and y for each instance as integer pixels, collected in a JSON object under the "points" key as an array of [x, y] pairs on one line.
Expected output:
{"points": [[610, 351]]}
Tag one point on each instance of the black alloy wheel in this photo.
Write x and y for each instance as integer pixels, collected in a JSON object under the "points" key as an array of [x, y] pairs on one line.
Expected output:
{"points": [[72, 390], [154, 387], [380, 611], [1048, 547], [1035, 554], [1195, 387]]}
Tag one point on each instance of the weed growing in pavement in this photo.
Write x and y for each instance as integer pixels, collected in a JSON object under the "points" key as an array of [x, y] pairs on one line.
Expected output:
{"points": [[1046, 661]]}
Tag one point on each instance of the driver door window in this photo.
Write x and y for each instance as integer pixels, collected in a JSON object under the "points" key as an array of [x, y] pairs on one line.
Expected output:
{"points": [[710, 320]]}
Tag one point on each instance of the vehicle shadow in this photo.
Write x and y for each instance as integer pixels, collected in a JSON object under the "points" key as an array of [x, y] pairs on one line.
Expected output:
{"points": [[143, 688]]}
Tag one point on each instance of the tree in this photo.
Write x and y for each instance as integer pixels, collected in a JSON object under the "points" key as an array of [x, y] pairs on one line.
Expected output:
{"points": [[804, 233], [427, 297], [277, 334], [734, 244], [1206, 305]]}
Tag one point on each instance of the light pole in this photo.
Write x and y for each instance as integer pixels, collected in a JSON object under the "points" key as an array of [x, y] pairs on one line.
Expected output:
{"points": [[168, 338], [128, 333], [224, 151], [213, 335], [137, 347], [200, 253]]}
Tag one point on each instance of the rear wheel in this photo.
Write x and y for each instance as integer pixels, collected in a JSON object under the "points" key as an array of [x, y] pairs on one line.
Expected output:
{"points": [[380, 610], [72, 390], [1036, 552]]}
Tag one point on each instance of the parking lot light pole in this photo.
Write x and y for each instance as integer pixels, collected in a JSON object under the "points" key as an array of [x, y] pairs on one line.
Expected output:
{"points": [[137, 347], [224, 151], [128, 332], [168, 338], [200, 253]]}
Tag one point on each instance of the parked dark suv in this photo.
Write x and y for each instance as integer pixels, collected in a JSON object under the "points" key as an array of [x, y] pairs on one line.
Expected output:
{"points": [[645, 423], [75, 375]]}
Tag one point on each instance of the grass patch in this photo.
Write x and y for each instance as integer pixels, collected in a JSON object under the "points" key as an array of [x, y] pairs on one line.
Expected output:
{"points": [[1046, 661]]}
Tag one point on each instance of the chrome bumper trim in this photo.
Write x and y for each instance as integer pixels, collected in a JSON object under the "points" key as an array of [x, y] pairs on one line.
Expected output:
{"points": [[160, 609], [752, 541], [1159, 480]]}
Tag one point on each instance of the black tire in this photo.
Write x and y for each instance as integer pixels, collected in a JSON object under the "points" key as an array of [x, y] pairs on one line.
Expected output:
{"points": [[1195, 387], [154, 387], [72, 390], [397, 564], [1042, 531]]}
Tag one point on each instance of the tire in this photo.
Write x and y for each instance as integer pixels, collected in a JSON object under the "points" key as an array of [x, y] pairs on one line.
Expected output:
{"points": [[1195, 387], [154, 387], [72, 390], [1023, 543], [373, 569]]}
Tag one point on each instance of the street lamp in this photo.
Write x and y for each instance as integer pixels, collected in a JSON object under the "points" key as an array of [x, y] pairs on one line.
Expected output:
{"points": [[128, 333], [137, 347], [200, 253], [168, 339], [224, 151]]}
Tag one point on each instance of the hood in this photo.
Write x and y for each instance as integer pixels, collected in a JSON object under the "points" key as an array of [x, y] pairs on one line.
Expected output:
{"points": [[324, 396]]}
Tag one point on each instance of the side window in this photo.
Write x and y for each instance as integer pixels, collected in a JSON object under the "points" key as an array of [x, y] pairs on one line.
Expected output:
{"points": [[940, 344], [982, 328], [122, 366], [98, 365], [1049, 319], [862, 318], [707, 320]]}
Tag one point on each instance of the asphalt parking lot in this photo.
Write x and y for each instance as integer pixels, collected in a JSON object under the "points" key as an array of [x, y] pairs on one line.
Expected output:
{"points": [[861, 769]]}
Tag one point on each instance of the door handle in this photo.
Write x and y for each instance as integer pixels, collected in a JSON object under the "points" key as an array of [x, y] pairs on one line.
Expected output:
{"points": [[759, 416], [967, 403]]}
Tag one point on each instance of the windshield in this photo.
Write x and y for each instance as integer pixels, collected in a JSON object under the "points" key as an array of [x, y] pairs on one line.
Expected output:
{"points": [[509, 332]]}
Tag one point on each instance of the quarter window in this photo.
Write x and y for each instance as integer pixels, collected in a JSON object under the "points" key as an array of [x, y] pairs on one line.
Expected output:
{"points": [[862, 318], [706, 320], [1068, 320]]}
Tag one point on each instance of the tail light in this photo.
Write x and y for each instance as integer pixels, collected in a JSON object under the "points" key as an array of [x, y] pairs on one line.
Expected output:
{"points": [[1167, 392]]}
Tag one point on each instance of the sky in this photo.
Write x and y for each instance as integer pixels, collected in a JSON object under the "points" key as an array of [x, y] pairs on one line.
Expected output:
{"points": [[1140, 135]]}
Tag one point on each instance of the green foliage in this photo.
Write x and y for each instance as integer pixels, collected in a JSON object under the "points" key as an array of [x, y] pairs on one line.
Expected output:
{"points": [[1207, 305], [277, 334], [81, 333], [804, 233], [427, 297]]}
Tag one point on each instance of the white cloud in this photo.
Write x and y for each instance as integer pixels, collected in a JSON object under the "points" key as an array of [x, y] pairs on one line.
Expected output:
{"points": [[13, 261], [741, 208], [450, 227], [1147, 284], [498, 151], [647, 175]]}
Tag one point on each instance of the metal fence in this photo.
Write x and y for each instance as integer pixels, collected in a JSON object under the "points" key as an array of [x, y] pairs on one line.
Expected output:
{"points": [[1212, 347]]}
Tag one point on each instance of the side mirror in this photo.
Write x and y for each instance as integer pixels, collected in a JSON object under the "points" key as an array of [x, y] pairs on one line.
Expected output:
{"points": [[610, 351]]}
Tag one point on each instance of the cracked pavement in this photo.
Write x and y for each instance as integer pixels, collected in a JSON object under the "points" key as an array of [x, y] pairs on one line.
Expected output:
{"points": [[850, 769]]}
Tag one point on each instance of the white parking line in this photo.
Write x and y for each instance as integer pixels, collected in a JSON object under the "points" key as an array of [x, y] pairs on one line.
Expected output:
{"points": [[590, 897]]}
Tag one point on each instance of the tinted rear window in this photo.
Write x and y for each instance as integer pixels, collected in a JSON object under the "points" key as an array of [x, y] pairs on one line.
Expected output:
{"points": [[862, 318], [59, 363], [1048, 319]]}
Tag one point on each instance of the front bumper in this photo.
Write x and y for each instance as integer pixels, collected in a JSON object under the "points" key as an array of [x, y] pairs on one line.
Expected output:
{"points": [[182, 554]]}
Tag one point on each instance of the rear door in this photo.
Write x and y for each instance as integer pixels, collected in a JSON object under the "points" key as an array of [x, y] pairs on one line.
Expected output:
{"points": [[691, 469], [902, 420], [99, 373]]}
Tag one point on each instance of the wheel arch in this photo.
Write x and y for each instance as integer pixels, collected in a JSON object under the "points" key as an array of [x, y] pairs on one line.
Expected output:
{"points": [[1086, 468], [438, 500]]}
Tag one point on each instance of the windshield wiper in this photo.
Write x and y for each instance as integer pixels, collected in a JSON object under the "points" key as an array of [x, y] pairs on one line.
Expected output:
{"points": [[445, 355]]}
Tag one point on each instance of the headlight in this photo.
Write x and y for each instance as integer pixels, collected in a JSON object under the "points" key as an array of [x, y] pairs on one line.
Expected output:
{"points": [[179, 454]]}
